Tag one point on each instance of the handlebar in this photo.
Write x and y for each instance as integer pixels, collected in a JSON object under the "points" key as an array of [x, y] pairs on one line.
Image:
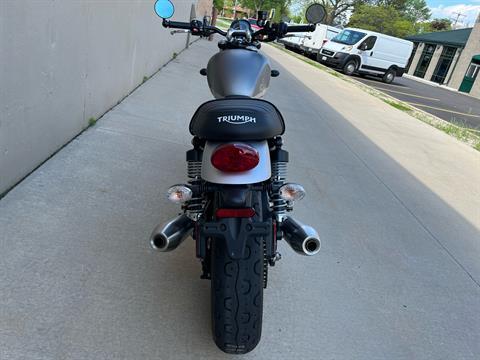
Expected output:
{"points": [[300, 28], [177, 24], [196, 27], [269, 32]]}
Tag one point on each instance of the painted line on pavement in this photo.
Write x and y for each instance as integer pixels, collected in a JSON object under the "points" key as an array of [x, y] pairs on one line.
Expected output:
{"points": [[382, 83], [445, 110], [407, 94]]}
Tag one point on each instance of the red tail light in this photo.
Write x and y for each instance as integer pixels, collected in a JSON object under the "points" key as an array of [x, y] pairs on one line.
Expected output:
{"points": [[235, 157]]}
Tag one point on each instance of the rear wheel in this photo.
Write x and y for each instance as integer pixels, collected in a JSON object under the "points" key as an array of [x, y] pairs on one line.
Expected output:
{"points": [[389, 76], [237, 296]]}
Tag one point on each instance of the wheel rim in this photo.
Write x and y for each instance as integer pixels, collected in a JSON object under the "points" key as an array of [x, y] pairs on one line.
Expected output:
{"points": [[390, 77], [350, 68]]}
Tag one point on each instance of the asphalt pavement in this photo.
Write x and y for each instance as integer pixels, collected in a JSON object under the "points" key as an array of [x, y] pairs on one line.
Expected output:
{"points": [[396, 203], [454, 107]]}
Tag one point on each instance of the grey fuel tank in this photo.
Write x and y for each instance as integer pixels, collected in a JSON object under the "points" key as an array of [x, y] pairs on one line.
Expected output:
{"points": [[238, 72]]}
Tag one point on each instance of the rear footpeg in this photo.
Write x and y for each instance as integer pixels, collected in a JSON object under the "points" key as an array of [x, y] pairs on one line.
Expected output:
{"points": [[167, 237], [303, 239]]}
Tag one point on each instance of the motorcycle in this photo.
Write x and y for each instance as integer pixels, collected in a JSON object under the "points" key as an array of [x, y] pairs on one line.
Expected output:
{"points": [[236, 202]]}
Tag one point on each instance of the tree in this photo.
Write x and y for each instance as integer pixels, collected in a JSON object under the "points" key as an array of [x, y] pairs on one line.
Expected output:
{"points": [[414, 10], [417, 10], [440, 24], [384, 19], [297, 19], [281, 6], [257, 4], [217, 6], [336, 10]]}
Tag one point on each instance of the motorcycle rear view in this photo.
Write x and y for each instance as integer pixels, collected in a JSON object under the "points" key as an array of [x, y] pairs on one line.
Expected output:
{"points": [[235, 204]]}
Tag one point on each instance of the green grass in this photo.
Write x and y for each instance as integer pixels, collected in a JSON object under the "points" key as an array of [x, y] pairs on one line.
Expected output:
{"points": [[398, 105], [223, 23], [457, 131], [174, 55], [145, 78], [91, 122]]}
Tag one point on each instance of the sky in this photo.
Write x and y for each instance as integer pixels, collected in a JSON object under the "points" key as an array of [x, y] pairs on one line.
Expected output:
{"points": [[447, 8]]}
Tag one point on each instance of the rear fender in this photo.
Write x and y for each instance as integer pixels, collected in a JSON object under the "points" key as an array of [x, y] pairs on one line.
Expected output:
{"points": [[258, 174], [236, 231]]}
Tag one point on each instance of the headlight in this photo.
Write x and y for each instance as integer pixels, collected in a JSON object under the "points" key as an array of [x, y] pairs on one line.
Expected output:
{"points": [[347, 48]]}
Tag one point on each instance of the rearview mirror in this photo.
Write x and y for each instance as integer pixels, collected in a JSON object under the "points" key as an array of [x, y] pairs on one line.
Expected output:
{"points": [[164, 9], [315, 13]]}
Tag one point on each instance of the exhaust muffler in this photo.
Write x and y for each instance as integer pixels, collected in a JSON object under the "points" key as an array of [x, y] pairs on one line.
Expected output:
{"points": [[303, 239], [167, 237]]}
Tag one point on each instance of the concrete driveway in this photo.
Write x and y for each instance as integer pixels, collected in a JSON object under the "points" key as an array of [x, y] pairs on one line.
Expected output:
{"points": [[396, 203]]}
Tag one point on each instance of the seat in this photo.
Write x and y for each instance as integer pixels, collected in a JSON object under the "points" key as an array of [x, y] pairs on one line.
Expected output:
{"points": [[237, 119]]}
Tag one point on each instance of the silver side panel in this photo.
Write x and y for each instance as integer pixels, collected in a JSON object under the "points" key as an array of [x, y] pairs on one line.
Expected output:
{"points": [[260, 173], [238, 72]]}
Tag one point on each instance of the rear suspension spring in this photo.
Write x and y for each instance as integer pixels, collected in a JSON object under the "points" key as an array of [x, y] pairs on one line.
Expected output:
{"points": [[279, 175]]}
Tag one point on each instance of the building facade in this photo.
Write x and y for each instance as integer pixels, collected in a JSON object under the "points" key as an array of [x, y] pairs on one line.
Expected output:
{"points": [[450, 58]]}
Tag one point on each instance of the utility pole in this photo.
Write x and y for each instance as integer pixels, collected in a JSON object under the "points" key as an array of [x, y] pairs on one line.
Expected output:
{"points": [[458, 17]]}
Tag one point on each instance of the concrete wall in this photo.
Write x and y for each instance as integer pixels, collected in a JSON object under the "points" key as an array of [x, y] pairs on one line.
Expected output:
{"points": [[471, 48], [62, 62]]}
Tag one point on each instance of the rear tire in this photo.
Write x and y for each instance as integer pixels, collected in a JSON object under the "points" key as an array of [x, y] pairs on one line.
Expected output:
{"points": [[389, 76], [237, 297]]}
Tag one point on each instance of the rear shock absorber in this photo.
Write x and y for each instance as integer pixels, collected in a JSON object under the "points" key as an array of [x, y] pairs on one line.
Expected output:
{"points": [[279, 158], [194, 207]]}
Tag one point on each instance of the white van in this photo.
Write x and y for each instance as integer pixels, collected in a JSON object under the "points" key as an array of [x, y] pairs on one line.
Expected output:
{"points": [[312, 42], [367, 52], [294, 41]]}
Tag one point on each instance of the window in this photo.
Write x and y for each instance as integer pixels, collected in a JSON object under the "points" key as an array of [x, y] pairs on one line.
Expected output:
{"points": [[368, 43], [443, 64], [331, 34], [472, 71], [410, 59], [425, 58], [349, 37]]}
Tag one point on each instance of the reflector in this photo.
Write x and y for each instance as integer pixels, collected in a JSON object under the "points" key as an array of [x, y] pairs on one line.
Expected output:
{"points": [[235, 213]]}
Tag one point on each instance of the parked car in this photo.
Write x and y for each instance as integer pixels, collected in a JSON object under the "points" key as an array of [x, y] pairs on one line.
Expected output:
{"points": [[314, 41], [367, 52], [254, 25]]}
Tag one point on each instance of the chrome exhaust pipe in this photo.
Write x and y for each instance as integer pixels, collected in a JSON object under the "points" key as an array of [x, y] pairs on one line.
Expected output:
{"points": [[303, 239], [167, 237]]}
